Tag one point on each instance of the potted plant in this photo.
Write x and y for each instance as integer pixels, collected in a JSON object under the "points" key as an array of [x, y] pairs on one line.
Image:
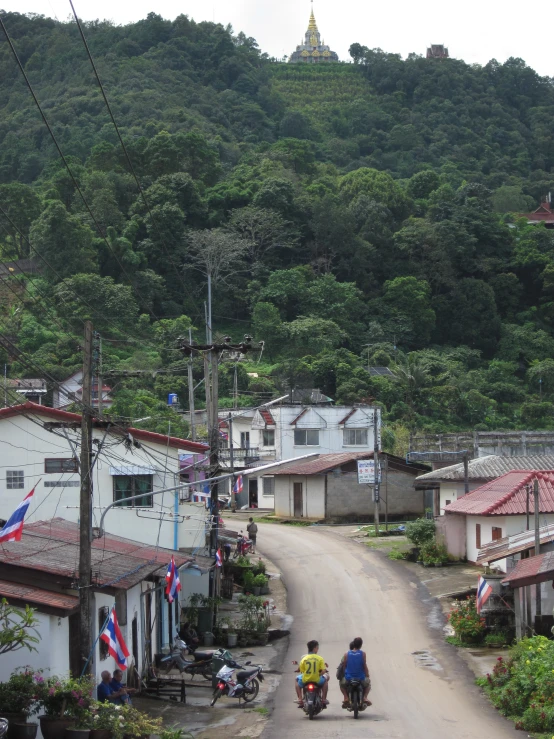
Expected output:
{"points": [[228, 630], [138, 725], [106, 721], [259, 583], [62, 700], [83, 725], [248, 580], [18, 700], [497, 639]]}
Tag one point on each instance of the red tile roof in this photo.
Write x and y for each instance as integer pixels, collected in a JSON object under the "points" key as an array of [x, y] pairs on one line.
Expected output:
{"points": [[13, 591], [268, 418], [58, 415], [506, 495], [299, 416], [323, 463], [348, 415], [53, 547], [532, 571]]}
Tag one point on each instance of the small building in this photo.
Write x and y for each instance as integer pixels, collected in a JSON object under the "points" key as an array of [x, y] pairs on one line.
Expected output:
{"points": [[437, 51], [41, 571], [447, 484], [312, 50], [495, 510], [543, 214], [70, 391], [528, 575], [327, 487], [29, 389]]}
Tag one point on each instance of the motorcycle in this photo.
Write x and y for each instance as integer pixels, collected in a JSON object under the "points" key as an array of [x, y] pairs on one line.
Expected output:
{"points": [[244, 545], [3, 727], [312, 697], [200, 665], [355, 691], [245, 686]]}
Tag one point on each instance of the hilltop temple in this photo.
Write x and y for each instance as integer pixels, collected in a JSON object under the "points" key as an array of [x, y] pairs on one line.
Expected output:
{"points": [[311, 50]]}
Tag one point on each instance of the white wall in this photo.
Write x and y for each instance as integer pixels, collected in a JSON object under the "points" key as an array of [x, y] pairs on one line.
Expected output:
{"points": [[313, 495], [451, 491], [25, 445], [52, 653], [509, 524]]}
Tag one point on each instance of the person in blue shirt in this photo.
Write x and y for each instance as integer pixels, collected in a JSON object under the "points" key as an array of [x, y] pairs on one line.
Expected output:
{"points": [[117, 686], [355, 668], [105, 692]]}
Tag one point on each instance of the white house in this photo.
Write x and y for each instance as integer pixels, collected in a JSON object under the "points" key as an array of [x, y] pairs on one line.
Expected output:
{"points": [[494, 511], [281, 432], [70, 391], [128, 462], [41, 570]]}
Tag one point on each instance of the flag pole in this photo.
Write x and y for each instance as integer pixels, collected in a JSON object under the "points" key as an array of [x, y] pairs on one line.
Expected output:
{"points": [[96, 641]]}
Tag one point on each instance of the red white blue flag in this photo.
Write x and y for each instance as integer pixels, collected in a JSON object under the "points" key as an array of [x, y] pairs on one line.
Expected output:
{"points": [[173, 584], [114, 639], [484, 591], [218, 559], [238, 485], [13, 528]]}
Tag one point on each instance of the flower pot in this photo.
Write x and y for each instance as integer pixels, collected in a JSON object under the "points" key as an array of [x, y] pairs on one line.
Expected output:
{"points": [[232, 640], [265, 590], [100, 734], [77, 733], [438, 564], [53, 727], [12, 718], [256, 591], [23, 731]]}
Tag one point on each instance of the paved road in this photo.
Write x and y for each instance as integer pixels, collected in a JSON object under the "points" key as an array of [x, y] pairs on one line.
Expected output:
{"points": [[338, 590]]}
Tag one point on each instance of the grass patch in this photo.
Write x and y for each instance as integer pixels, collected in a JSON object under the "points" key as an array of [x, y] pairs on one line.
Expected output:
{"points": [[284, 521], [262, 710], [396, 553], [456, 642]]}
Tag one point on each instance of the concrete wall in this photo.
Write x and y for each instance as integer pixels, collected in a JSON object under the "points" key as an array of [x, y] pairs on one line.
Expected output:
{"points": [[313, 495], [451, 531], [52, 653], [345, 497], [451, 491]]}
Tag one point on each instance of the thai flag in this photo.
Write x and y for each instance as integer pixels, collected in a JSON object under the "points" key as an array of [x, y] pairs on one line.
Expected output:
{"points": [[13, 529], [116, 645], [238, 485], [173, 584], [218, 559], [484, 591]]}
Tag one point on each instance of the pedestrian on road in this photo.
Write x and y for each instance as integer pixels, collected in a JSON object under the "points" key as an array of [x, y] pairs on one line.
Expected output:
{"points": [[252, 529], [354, 664]]}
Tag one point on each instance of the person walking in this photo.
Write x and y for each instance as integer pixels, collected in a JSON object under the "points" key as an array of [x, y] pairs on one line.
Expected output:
{"points": [[252, 529]]}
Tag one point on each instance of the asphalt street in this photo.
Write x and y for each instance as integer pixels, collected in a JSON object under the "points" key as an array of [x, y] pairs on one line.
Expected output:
{"points": [[337, 590]]}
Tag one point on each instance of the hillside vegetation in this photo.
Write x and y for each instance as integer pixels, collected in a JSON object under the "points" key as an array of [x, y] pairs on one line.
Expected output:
{"points": [[353, 213]]}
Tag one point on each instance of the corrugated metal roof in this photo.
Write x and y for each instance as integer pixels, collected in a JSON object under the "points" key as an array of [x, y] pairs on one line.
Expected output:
{"points": [[53, 547], [509, 545], [531, 571], [488, 468], [56, 414], [506, 495], [37, 596], [323, 463]]}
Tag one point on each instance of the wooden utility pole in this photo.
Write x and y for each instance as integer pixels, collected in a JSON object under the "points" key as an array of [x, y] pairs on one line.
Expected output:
{"points": [[377, 470], [85, 518], [191, 395], [538, 609]]}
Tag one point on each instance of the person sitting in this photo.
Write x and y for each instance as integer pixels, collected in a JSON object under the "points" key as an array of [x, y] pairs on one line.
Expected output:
{"points": [[312, 669], [117, 685], [189, 636], [355, 668], [105, 692]]}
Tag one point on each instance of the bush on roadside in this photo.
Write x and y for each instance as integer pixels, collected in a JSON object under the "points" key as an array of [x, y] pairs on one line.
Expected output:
{"points": [[420, 531], [466, 622]]}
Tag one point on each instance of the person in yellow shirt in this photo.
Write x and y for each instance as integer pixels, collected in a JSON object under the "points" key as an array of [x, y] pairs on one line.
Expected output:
{"points": [[312, 669]]}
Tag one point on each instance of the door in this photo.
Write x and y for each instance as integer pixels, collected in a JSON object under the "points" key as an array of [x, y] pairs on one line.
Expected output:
{"points": [[75, 665], [245, 439], [252, 493], [298, 502]]}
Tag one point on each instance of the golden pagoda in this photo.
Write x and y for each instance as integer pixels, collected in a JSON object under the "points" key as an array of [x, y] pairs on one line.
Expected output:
{"points": [[312, 51]]}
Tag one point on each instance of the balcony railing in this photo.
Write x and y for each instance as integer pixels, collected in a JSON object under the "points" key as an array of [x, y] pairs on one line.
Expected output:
{"points": [[241, 455]]}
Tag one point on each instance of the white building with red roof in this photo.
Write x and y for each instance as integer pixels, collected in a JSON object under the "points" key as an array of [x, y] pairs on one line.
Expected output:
{"points": [[496, 510]]}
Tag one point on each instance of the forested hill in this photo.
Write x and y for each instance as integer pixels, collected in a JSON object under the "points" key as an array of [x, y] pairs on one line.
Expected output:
{"points": [[372, 203]]}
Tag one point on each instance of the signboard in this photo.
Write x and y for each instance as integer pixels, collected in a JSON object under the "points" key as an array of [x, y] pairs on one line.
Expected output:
{"points": [[366, 472]]}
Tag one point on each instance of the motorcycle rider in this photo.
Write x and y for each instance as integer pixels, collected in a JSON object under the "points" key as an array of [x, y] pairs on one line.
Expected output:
{"points": [[312, 669], [355, 668]]}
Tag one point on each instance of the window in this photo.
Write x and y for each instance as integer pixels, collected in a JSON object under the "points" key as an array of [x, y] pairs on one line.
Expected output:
{"points": [[60, 465], [447, 502], [496, 533], [354, 437], [121, 607], [126, 486], [15, 479], [268, 437], [103, 614], [268, 486], [245, 439], [478, 535], [306, 437]]}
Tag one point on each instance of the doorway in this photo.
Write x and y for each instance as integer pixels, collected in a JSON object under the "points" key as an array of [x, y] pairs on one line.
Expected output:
{"points": [[298, 501], [252, 493]]}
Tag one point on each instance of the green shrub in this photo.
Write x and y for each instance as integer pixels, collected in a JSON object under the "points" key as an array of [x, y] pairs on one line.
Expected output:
{"points": [[420, 531], [432, 553], [465, 620]]}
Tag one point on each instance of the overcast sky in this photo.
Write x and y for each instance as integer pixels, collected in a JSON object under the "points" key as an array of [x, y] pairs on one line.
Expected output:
{"points": [[475, 30]]}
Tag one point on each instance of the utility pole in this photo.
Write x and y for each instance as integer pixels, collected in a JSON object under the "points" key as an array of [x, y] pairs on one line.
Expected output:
{"points": [[98, 366], [232, 462], [377, 470], [86, 501], [538, 609], [466, 473], [191, 394]]}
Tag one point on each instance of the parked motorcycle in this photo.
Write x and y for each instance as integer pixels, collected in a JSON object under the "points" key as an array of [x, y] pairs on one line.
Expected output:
{"points": [[201, 664], [3, 727], [245, 686], [355, 691], [244, 545]]}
